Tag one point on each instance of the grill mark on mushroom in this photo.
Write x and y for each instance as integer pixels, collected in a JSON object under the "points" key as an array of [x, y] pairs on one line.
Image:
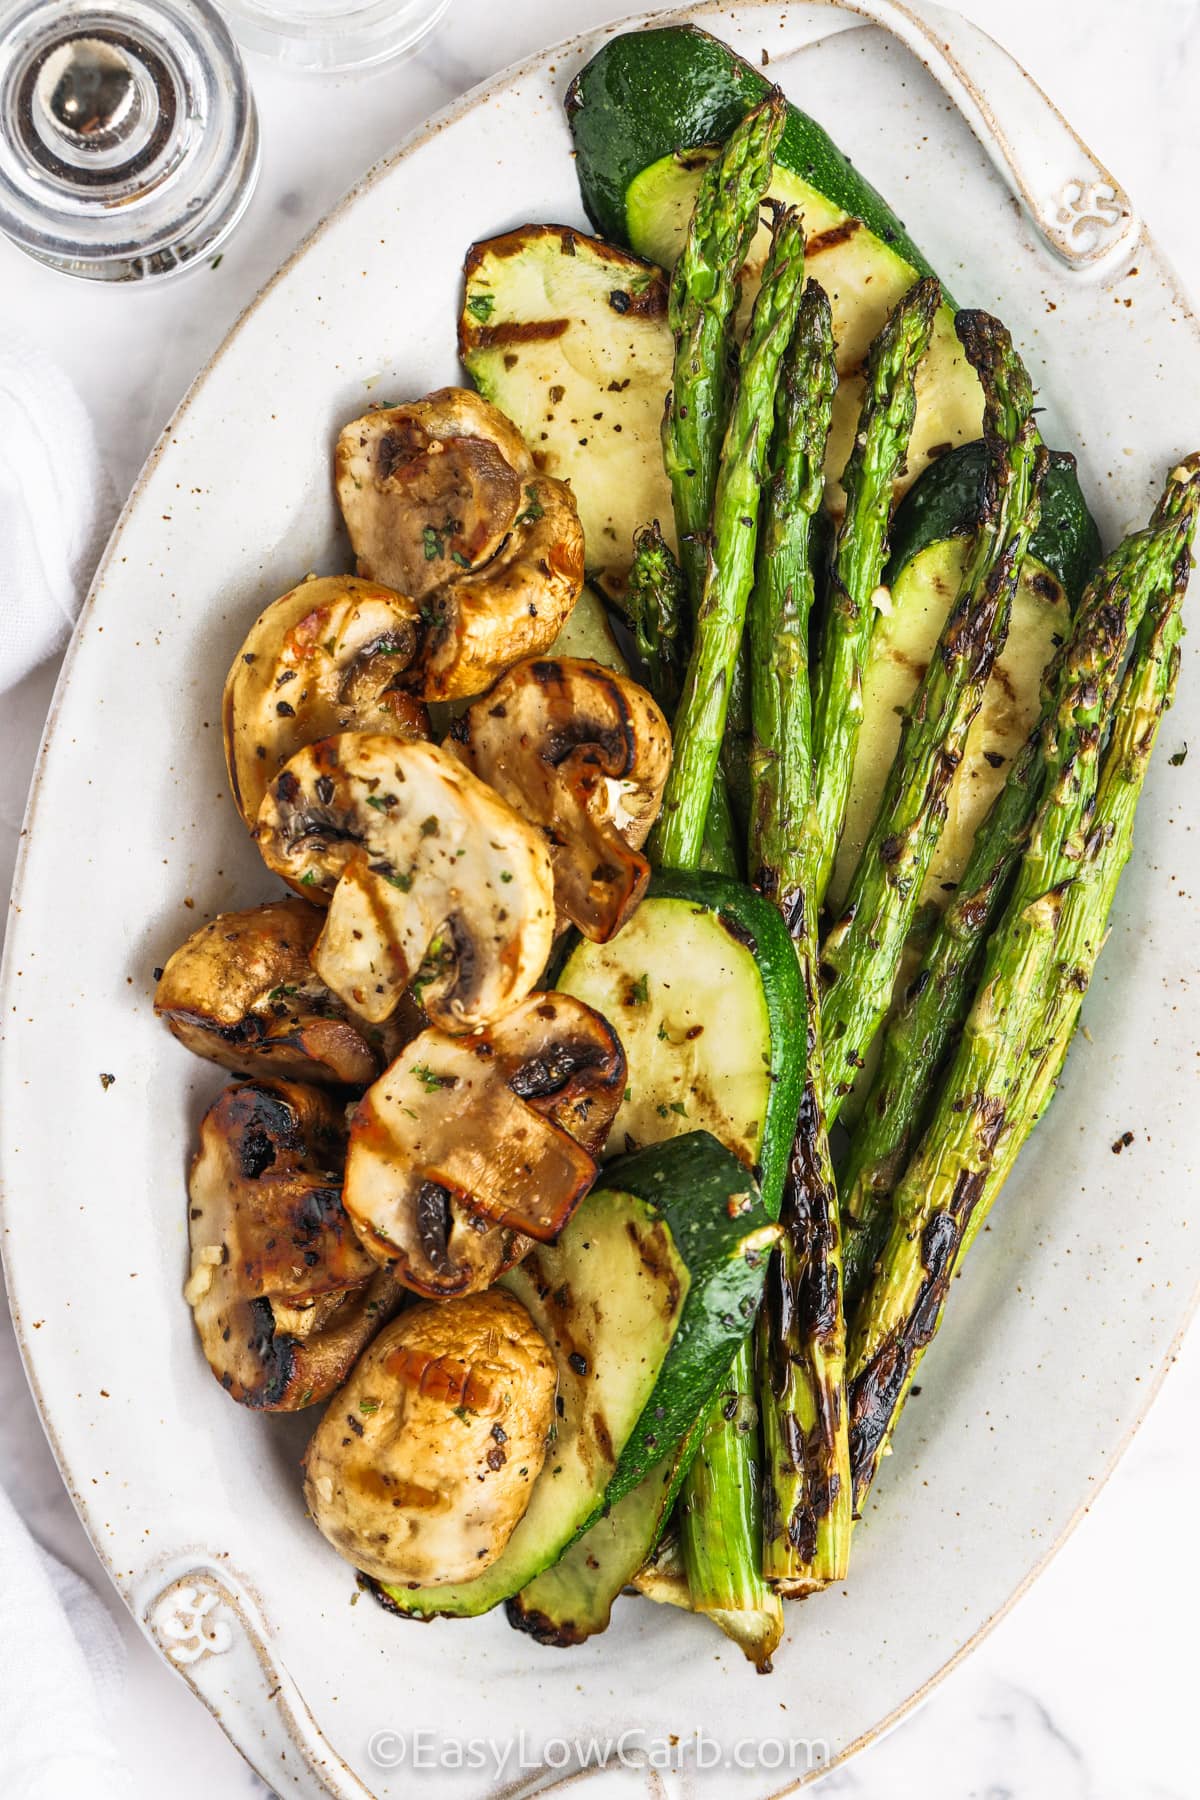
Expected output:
{"points": [[467, 1147], [467, 907], [584, 753], [444, 503], [282, 1293]]}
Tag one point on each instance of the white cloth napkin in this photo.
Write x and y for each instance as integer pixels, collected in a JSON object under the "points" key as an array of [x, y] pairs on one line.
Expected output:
{"points": [[55, 507], [62, 1665], [61, 1657]]}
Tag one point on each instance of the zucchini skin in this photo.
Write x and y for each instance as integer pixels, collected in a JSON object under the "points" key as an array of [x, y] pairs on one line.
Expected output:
{"points": [[649, 93], [945, 502], [692, 1183], [755, 923]]}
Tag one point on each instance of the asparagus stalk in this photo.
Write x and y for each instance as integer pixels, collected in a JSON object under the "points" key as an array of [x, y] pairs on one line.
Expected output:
{"points": [[701, 310], [802, 1339], [720, 1521], [1038, 966], [862, 951], [729, 572], [917, 1040], [880, 445], [656, 607]]}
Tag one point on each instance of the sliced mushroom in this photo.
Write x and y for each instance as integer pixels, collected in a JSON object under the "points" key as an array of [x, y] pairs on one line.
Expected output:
{"points": [[464, 1142], [443, 502], [433, 879], [424, 1463], [333, 655], [243, 993], [283, 1294], [584, 753]]}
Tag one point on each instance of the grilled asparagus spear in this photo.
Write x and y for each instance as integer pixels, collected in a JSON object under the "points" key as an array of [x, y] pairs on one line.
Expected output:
{"points": [[862, 951], [720, 1529], [1039, 961], [802, 1340], [729, 573], [656, 609], [702, 306], [880, 445], [917, 1040]]}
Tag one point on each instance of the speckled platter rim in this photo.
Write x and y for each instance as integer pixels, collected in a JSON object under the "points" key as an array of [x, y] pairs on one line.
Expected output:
{"points": [[335, 1773]]}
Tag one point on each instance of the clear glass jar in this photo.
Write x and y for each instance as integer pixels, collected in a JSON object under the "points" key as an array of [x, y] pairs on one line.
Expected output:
{"points": [[326, 35], [128, 135]]}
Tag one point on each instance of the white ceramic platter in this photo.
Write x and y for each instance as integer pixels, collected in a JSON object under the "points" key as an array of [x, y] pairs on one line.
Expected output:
{"points": [[1057, 1334]]}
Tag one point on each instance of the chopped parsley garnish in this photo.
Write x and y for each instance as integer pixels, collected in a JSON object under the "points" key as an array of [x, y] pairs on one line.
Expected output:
{"points": [[403, 882], [429, 1078], [369, 1406], [277, 993], [506, 874], [308, 879], [534, 509], [639, 992], [433, 537], [429, 827], [677, 1106], [481, 307]]}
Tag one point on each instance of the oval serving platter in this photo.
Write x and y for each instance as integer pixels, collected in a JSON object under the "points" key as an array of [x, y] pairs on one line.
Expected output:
{"points": [[1066, 1318]]}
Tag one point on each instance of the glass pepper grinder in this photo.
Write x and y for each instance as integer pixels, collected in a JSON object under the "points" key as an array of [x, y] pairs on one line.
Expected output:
{"points": [[128, 135]]}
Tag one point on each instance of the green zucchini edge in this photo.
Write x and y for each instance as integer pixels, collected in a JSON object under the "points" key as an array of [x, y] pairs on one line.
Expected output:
{"points": [[647, 94], [945, 502], [754, 922]]}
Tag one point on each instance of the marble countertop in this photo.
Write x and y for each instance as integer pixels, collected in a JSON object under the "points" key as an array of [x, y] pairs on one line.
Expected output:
{"points": [[1085, 1691]]}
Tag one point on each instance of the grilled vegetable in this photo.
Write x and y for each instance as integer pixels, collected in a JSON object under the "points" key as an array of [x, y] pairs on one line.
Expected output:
{"points": [[568, 336], [572, 1600], [432, 880], [642, 1300], [931, 543], [589, 635], [242, 992], [282, 1293], [880, 445], [729, 567], [583, 753], [467, 1142], [702, 988], [861, 954], [643, 113], [656, 605], [333, 655], [1005, 746], [802, 1339], [702, 303], [1040, 960], [443, 502], [424, 1463]]}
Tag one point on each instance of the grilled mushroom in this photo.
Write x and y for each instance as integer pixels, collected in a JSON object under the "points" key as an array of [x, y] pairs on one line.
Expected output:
{"points": [[424, 1463], [584, 753], [333, 655], [443, 502], [433, 879], [243, 993], [283, 1295], [465, 1143]]}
